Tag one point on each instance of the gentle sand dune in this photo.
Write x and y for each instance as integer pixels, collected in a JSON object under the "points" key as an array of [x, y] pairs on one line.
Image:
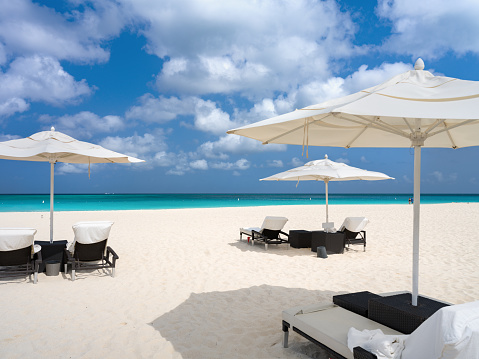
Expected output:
{"points": [[187, 288]]}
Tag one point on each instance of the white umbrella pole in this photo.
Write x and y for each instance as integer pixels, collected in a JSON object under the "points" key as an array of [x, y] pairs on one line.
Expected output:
{"points": [[52, 175], [327, 219], [416, 208]]}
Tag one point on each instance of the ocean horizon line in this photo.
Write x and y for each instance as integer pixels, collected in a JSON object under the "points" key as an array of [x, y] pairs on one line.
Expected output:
{"points": [[124, 201]]}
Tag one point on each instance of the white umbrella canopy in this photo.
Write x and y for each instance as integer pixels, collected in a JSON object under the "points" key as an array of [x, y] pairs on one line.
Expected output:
{"points": [[327, 171], [413, 109], [53, 146]]}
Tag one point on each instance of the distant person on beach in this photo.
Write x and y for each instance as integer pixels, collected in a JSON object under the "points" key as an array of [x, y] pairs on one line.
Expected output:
{"points": [[409, 200]]}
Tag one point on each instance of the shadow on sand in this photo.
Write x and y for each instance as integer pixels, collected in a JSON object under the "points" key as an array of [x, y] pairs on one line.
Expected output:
{"points": [[277, 249], [243, 323]]}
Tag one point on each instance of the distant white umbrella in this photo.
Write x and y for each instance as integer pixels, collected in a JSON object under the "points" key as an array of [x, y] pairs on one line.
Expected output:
{"points": [[413, 109], [52, 146], [327, 171]]}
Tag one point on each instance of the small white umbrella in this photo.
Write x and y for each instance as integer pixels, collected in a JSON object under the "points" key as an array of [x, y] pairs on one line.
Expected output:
{"points": [[327, 171], [53, 146], [413, 109]]}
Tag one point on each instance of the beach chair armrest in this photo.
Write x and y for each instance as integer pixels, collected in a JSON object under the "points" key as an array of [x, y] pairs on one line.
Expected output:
{"points": [[68, 256], [37, 260], [360, 353], [286, 234], [114, 256], [38, 257]]}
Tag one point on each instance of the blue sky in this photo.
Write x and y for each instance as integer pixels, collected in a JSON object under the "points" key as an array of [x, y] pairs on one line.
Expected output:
{"points": [[164, 80]]}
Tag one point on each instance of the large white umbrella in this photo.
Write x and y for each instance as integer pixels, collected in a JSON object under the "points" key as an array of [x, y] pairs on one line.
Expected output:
{"points": [[327, 171], [413, 109], [53, 146]]}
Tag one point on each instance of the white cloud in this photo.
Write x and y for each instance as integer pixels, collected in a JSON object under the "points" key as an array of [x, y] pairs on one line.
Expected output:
{"points": [[27, 28], [85, 124], [431, 28], [209, 118], [315, 92], [4, 137], [38, 78], [139, 146], [161, 109], [13, 105], [342, 160], [296, 162], [364, 160], [407, 179], [241, 164], [274, 163], [199, 165], [441, 177], [243, 46], [68, 168], [235, 145]]}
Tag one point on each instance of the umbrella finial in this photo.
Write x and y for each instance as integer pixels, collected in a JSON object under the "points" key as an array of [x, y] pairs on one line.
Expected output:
{"points": [[419, 65], [52, 129]]}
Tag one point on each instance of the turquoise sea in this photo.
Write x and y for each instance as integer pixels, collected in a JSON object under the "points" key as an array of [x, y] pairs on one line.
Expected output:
{"points": [[107, 202]]}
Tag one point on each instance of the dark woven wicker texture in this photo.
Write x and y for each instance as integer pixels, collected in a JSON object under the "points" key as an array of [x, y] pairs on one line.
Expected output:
{"points": [[334, 242], [360, 353], [300, 238], [398, 313], [355, 302]]}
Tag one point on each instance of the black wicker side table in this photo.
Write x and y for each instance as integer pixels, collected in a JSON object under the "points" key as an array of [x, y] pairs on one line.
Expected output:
{"points": [[355, 302], [397, 312], [299, 238], [334, 242], [52, 251]]}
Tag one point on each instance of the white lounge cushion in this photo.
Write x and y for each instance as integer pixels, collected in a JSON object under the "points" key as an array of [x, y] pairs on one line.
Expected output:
{"points": [[274, 223], [354, 224], [329, 324], [16, 238], [270, 222], [89, 232], [451, 332], [249, 231]]}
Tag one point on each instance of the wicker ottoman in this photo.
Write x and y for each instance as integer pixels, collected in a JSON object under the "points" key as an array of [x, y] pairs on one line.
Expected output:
{"points": [[397, 312], [299, 238], [355, 302]]}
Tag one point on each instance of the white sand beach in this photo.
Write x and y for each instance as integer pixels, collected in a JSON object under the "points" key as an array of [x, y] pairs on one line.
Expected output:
{"points": [[185, 287]]}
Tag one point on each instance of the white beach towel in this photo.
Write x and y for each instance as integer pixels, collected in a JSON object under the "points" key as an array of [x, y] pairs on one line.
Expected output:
{"points": [[89, 232], [376, 342]]}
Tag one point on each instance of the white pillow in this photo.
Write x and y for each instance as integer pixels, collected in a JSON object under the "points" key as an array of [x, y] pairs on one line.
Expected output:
{"points": [[450, 333]]}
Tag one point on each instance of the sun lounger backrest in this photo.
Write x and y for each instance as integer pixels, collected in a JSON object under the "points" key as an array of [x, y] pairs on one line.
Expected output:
{"points": [[451, 332], [354, 224], [274, 223], [91, 232], [16, 238], [90, 252]]}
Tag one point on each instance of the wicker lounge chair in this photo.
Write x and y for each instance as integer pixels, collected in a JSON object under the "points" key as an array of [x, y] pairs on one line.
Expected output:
{"points": [[327, 325], [89, 248], [353, 229], [452, 331], [18, 254], [269, 233]]}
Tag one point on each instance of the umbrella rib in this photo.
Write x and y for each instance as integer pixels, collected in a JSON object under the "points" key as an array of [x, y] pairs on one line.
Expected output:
{"points": [[452, 127], [408, 124], [434, 125], [294, 129], [450, 137], [378, 125], [381, 125]]}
